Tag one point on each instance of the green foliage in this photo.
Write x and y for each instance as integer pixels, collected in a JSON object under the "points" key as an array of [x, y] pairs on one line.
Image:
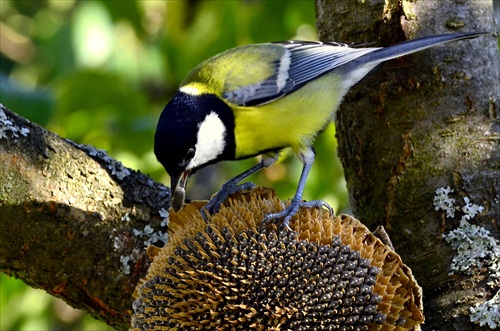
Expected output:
{"points": [[25, 308], [100, 72]]}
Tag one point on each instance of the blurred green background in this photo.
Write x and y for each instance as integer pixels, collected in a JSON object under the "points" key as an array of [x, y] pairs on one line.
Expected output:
{"points": [[100, 72]]}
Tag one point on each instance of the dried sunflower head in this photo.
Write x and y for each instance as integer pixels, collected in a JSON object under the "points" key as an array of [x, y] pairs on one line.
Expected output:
{"points": [[327, 274]]}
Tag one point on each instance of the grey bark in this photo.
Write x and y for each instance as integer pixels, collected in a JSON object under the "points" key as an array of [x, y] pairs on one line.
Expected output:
{"points": [[73, 221], [418, 123]]}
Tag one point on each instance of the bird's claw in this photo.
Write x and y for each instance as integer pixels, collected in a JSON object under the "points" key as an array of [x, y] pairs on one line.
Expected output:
{"points": [[317, 204], [204, 213], [287, 214], [229, 188]]}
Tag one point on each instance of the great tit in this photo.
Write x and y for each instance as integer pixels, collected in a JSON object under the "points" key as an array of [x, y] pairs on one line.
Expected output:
{"points": [[259, 99]]}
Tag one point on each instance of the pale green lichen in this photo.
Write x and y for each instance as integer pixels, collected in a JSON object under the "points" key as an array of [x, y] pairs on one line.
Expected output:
{"points": [[494, 279], [470, 210], [125, 267], [116, 167], [487, 313], [164, 214], [475, 248], [7, 127], [444, 202], [149, 237]]}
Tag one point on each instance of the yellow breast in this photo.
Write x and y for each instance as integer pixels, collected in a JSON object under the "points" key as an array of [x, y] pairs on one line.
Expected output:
{"points": [[292, 121]]}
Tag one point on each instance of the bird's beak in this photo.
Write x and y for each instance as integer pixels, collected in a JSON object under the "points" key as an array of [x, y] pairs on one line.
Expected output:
{"points": [[178, 189]]}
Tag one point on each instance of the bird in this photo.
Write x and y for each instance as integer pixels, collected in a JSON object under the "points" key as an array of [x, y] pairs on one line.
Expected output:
{"points": [[259, 99]]}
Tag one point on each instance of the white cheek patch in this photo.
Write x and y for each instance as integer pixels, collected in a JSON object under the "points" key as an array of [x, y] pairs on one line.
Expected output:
{"points": [[209, 140]]}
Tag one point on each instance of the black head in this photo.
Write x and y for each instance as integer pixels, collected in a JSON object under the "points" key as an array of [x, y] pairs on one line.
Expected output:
{"points": [[192, 132]]}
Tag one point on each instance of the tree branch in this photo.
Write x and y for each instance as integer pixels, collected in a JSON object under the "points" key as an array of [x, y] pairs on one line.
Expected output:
{"points": [[73, 221]]}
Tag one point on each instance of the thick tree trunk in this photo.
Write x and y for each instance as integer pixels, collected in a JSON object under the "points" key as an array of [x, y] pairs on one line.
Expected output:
{"points": [[73, 221], [419, 123]]}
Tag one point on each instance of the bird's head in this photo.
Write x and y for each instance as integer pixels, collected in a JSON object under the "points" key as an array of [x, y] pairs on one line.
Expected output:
{"points": [[194, 130]]}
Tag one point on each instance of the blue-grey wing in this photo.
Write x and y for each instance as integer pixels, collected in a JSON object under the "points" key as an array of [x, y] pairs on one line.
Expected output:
{"points": [[299, 63]]}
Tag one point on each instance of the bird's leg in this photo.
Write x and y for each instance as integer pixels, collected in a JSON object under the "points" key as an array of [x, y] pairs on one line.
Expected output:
{"points": [[231, 186], [287, 214]]}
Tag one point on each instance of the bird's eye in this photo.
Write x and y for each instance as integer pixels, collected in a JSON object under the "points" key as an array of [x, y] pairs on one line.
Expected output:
{"points": [[190, 154]]}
